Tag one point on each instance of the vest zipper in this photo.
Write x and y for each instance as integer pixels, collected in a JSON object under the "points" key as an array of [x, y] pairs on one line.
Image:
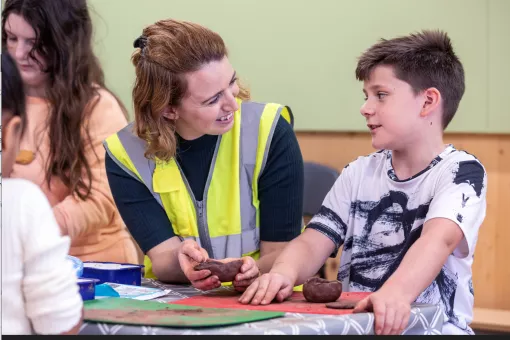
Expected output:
{"points": [[203, 231]]}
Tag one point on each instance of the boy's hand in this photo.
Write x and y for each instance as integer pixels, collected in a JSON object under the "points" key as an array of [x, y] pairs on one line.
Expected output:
{"points": [[264, 289], [390, 309], [190, 254]]}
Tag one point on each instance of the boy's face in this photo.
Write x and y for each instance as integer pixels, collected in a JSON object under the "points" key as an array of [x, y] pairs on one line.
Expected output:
{"points": [[391, 109], [11, 136]]}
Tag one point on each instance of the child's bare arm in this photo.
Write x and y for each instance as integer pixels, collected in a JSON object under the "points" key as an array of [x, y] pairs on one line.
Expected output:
{"points": [[422, 263], [305, 257], [419, 267], [300, 260]]}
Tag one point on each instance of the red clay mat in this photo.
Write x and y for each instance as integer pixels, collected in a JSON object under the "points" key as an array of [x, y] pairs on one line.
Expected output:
{"points": [[296, 303]]}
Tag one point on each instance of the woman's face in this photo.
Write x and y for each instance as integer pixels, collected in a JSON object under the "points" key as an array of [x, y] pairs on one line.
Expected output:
{"points": [[210, 102], [21, 39]]}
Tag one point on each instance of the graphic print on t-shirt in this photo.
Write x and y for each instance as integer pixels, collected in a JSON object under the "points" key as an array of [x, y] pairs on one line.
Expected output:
{"points": [[378, 218]]}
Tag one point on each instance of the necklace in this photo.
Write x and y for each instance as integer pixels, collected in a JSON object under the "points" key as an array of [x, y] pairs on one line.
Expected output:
{"points": [[25, 157]]}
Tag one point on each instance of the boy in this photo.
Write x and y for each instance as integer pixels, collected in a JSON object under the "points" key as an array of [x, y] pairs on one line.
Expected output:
{"points": [[408, 215], [39, 290]]}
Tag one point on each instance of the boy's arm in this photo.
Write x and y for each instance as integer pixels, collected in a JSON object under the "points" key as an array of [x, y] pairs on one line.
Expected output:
{"points": [[451, 227], [304, 255], [423, 261], [300, 260], [269, 252]]}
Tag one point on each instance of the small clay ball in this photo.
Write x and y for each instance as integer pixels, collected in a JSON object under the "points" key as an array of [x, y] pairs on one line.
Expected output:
{"points": [[320, 290], [226, 272]]}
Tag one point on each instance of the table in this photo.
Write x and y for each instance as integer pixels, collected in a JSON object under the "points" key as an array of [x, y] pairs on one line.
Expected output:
{"points": [[424, 320]]}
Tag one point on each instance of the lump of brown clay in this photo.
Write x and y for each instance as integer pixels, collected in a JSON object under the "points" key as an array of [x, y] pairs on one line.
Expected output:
{"points": [[320, 290], [226, 272], [342, 304]]}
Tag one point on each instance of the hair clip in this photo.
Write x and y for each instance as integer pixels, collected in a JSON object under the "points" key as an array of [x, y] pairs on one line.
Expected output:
{"points": [[140, 43]]}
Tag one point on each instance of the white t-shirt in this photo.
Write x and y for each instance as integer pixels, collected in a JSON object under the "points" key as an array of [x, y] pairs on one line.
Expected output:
{"points": [[378, 217], [39, 287]]}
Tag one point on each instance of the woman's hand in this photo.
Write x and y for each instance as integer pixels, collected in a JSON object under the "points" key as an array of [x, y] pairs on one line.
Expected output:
{"points": [[190, 254]]}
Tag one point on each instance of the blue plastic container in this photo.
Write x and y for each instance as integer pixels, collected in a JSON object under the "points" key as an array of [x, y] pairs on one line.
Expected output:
{"points": [[87, 288], [124, 273]]}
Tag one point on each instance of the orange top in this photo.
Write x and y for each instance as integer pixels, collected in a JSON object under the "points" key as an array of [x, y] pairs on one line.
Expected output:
{"points": [[95, 227]]}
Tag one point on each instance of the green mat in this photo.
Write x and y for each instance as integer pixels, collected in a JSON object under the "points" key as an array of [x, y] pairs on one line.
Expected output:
{"points": [[150, 313]]}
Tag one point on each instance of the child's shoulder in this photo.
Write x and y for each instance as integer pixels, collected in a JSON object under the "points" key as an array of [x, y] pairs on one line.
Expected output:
{"points": [[21, 186], [371, 160], [26, 208], [460, 154], [462, 167], [21, 191], [462, 160]]}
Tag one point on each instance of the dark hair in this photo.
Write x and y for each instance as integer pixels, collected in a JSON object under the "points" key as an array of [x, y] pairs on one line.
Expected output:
{"points": [[63, 31], [13, 94], [423, 60]]}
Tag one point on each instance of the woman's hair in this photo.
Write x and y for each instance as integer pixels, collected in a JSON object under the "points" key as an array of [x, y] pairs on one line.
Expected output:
{"points": [[13, 94], [63, 31], [166, 51]]}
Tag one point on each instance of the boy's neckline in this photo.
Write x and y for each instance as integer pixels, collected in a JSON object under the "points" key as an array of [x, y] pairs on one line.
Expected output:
{"points": [[449, 148]]}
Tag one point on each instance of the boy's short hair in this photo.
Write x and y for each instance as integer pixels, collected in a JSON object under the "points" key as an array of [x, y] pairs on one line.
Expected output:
{"points": [[13, 94], [423, 60]]}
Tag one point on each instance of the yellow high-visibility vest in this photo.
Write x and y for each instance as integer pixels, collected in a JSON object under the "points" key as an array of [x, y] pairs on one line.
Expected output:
{"points": [[226, 222]]}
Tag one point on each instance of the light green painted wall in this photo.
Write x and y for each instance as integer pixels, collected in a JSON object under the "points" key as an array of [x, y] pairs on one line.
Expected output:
{"points": [[499, 66], [303, 53]]}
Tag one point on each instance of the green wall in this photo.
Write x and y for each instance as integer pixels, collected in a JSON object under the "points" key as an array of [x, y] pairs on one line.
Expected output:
{"points": [[303, 53]]}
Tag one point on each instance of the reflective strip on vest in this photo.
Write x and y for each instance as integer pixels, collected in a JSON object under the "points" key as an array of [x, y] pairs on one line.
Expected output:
{"points": [[226, 222]]}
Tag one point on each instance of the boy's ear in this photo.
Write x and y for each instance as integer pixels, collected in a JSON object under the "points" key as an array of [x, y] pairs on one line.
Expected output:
{"points": [[432, 101], [170, 113]]}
